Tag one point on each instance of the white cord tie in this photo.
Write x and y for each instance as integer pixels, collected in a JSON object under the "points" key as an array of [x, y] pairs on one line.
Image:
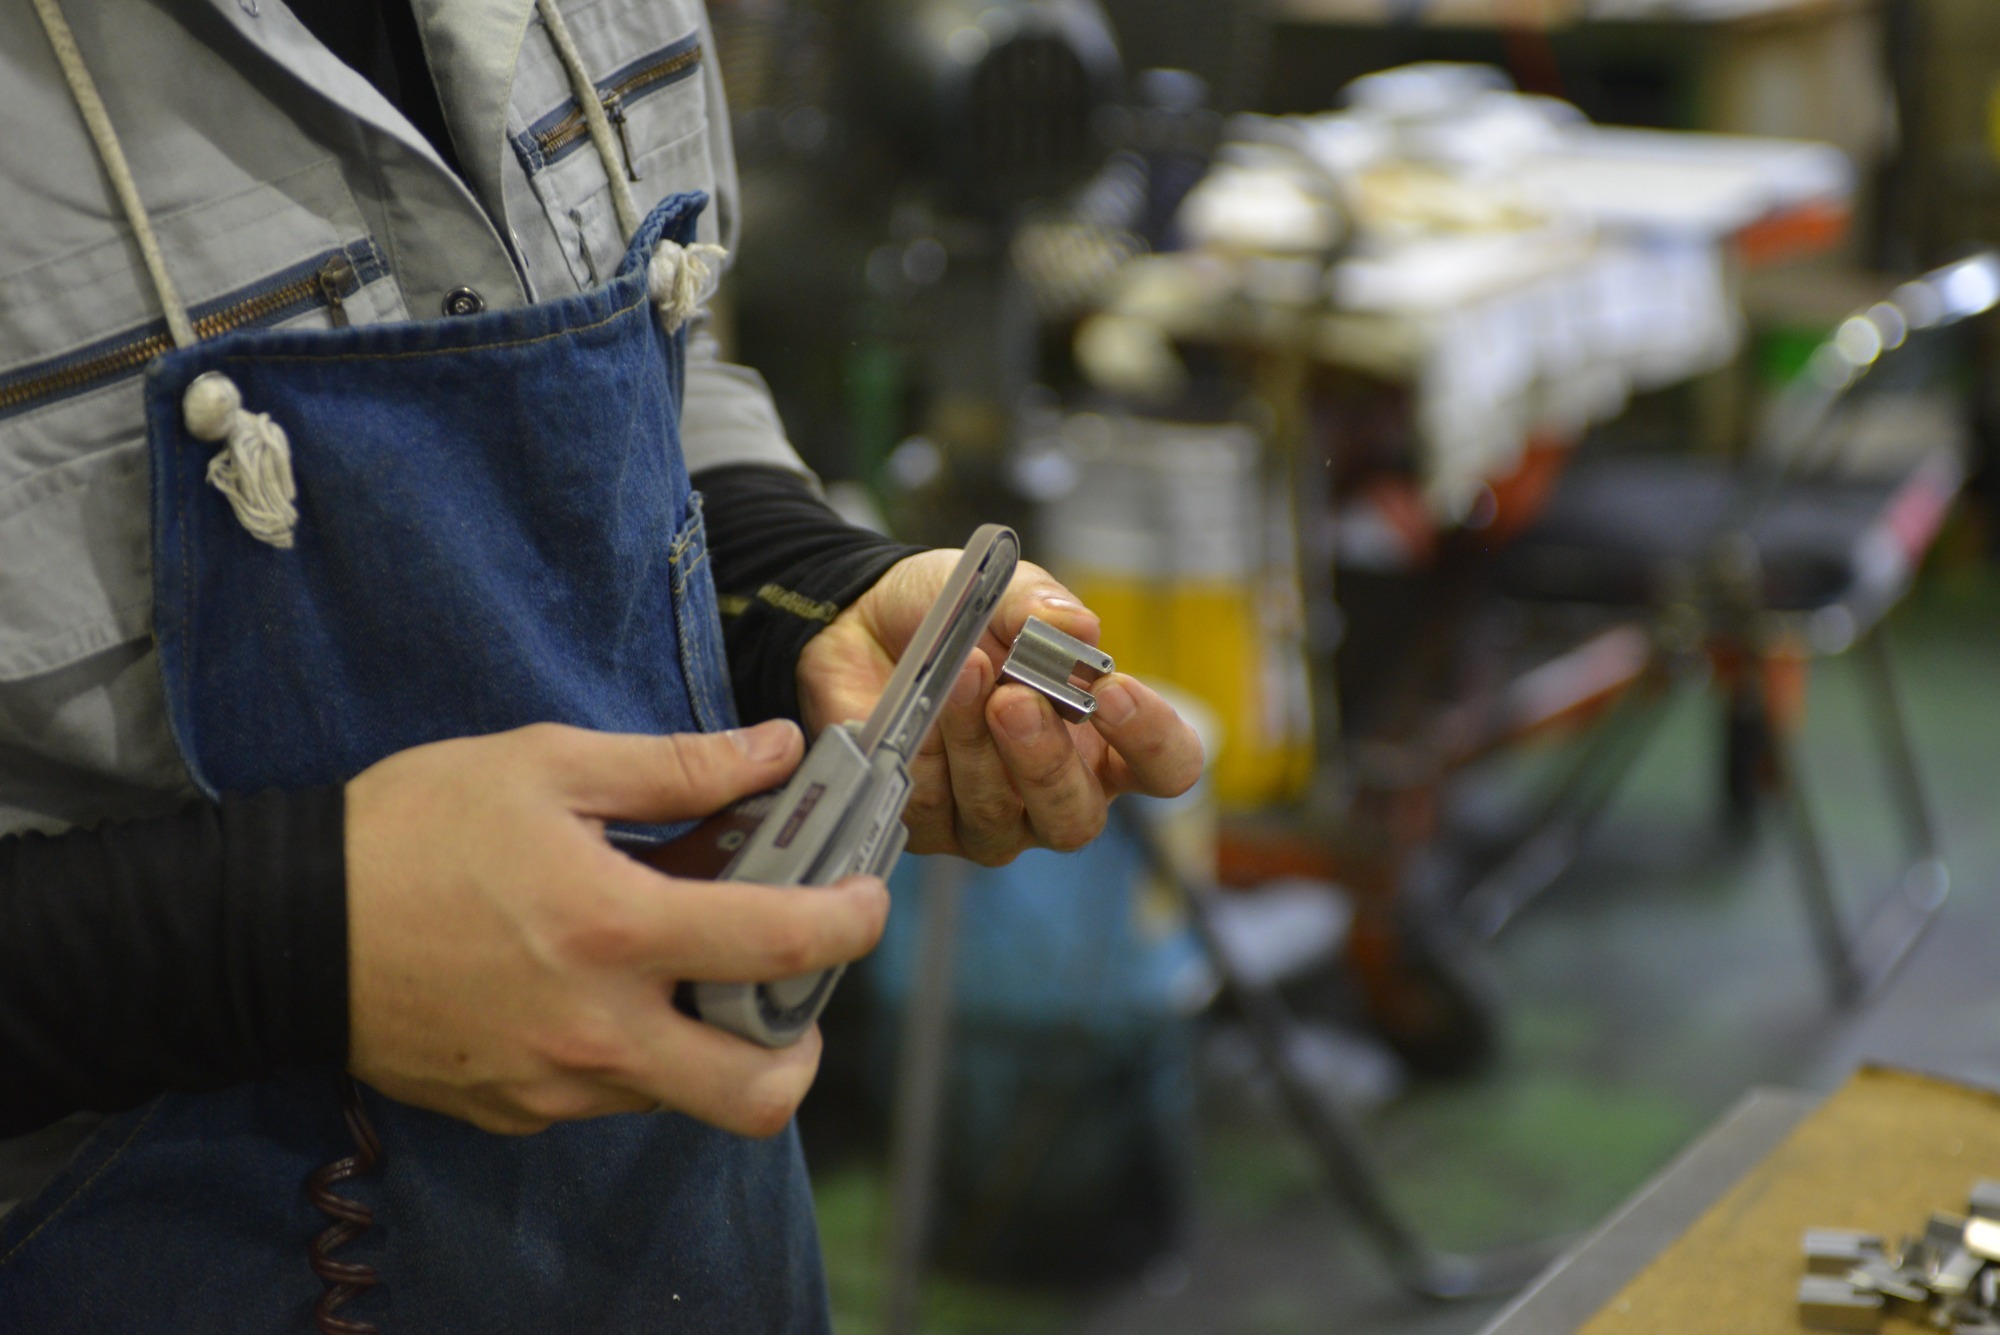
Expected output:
{"points": [[679, 278], [254, 467]]}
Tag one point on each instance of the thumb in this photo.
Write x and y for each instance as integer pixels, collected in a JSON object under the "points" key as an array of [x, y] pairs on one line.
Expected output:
{"points": [[1034, 592], [620, 776]]}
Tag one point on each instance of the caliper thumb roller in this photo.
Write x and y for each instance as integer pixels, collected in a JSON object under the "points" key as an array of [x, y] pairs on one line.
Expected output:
{"points": [[841, 814]]}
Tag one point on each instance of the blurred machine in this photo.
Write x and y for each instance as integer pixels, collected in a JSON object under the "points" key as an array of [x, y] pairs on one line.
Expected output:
{"points": [[887, 153], [989, 102], [1943, 194], [1947, 61], [1228, 46]]}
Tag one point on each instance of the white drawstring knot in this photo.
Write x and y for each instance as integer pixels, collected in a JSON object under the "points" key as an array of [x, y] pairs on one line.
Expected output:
{"points": [[680, 278], [254, 467]]}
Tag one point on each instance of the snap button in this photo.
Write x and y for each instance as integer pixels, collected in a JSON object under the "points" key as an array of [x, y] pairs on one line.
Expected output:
{"points": [[463, 301]]}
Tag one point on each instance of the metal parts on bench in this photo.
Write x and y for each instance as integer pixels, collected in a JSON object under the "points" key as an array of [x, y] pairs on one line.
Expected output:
{"points": [[1946, 1278], [1049, 661]]}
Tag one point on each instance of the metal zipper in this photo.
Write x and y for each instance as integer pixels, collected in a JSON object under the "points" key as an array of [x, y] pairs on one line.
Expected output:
{"points": [[326, 280], [614, 111], [336, 278], [616, 97]]}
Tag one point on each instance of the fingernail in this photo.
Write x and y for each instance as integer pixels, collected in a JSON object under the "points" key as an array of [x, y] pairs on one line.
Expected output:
{"points": [[1021, 718], [1115, 702], [765, 742], [966, 689]]}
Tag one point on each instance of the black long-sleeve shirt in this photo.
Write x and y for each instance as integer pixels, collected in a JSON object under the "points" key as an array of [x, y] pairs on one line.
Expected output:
{"points": [[196, 950]]}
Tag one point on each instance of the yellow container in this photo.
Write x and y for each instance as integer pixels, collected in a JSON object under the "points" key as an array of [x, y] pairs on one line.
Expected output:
{"points": [[1172, 538], [1205, 638]]}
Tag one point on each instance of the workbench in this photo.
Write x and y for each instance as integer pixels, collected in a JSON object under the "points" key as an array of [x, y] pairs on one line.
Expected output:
{"points": [[1712, 1244]]}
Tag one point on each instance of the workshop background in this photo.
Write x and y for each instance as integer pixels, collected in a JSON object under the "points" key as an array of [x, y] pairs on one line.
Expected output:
{"points": [[1548, 448]]}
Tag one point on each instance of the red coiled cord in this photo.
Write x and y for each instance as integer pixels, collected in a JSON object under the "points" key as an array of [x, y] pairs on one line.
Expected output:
{"points": [[344, 1280]]}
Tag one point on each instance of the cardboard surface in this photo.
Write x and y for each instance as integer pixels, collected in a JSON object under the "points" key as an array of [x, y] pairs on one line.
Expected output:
{"points": [[1881, 1154]]}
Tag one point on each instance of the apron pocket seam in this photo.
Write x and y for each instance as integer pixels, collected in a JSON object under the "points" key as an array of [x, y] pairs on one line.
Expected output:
{"points": [[81, 1187], [414, 354]]}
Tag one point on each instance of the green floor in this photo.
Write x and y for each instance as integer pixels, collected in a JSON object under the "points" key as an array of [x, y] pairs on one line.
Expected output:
{"points": [[1643, 995]]}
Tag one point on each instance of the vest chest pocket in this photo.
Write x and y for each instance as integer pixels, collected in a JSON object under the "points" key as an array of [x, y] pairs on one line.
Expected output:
{"points": [[653, 91], [75, 564]]}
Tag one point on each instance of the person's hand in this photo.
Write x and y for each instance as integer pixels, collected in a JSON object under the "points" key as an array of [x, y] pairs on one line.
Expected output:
{"points": [[1001, 772], [510, 967]]}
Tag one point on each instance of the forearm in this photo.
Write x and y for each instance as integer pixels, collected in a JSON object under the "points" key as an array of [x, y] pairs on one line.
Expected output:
{"points": [[183, 953]]}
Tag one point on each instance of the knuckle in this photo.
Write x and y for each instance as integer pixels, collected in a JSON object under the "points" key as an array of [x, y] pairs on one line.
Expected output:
{"points": [[506, 1123], [994, 847], [687, 764], [531, 1106], [1167, 771], [1001, 826], [990, 807], [878, 912], [1070, 834], [1173, 764], [592, 1043], [963, 727], [791, 946], [552, 741], [930, 805], [765, 1118], [933, 837], [591, 929], [769, 1105], [549, 1103], [928, 799], [1046, 766]]}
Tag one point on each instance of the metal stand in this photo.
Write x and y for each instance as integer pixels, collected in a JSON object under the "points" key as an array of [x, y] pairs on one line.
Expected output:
{"points": [[920, 1090], [1546, 844], [1327, 1130], [1858, 963]]}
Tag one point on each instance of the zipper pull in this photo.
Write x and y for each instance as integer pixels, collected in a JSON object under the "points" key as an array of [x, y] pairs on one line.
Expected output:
{"points": [[614, 111], [336, 279]]}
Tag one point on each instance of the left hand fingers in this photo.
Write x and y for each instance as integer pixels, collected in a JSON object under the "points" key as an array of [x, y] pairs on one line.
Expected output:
{"points": [[989, 820], [1059, 792], [962, 800], [1152, 749], [1034, 592]]}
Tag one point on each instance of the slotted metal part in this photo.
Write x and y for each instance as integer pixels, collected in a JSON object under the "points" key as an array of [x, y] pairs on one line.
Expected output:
{"points": [[1836, 1251], [1827, 1303], [1050, 661]]}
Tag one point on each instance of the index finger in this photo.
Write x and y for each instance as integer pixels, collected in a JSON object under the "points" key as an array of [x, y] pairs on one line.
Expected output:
{"points": [[1153, 750], [737, 932], [716, 1077], [1034, 592]]}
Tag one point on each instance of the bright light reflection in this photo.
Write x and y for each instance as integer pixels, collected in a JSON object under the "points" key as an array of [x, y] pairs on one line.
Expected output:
{"points": [[968, 45], [1970, 288], [1920, 304], [1859, 340], [1831, 368], [1894, 328]]}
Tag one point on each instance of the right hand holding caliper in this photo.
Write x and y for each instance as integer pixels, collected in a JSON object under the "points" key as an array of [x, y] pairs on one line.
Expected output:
{"points": [[509, 967]]}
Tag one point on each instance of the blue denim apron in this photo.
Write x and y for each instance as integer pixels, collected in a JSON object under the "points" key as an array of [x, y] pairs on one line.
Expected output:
{"points": [[495, 528]]}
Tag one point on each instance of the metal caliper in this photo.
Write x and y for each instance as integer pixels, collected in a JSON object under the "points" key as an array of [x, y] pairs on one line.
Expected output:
{"points": [[841, 814]]}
